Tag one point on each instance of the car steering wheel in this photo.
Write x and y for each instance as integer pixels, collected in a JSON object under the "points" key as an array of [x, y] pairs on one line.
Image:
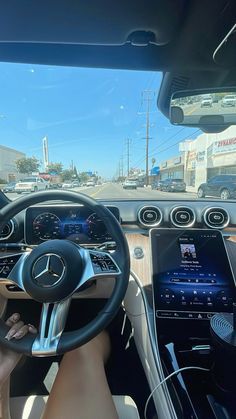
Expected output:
{"points": [[53, 271]]}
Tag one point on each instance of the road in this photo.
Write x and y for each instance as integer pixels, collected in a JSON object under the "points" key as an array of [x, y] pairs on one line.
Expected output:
{"points": [[116, 191], [193, 111]]}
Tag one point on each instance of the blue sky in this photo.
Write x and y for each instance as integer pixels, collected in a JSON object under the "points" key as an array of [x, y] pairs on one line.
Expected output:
{"points": [[86, 114]]}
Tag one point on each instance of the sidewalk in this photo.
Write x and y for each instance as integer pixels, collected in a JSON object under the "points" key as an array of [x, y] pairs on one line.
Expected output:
{"points": [[192, 189]]}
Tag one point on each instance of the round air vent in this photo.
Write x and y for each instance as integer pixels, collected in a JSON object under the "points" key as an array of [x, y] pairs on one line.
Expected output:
{"points": [[182, 217], [7, 230], [150, 216], [216, 217]]}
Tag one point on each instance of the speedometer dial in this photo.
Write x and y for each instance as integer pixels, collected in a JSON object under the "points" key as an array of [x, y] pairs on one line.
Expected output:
{"points": [[96, 228], [46, 226]]}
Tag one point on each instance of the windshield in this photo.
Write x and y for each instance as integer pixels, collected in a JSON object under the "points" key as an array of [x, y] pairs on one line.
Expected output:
{"points": [[100, 128]]}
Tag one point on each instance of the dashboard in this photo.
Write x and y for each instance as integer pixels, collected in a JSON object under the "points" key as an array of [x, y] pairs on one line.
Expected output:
{"points": [[63, 220], [74, 222], [71, 222]]}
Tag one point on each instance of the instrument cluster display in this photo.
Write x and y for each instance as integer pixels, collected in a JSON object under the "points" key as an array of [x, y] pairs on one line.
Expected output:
{"points": [[71, 222]]}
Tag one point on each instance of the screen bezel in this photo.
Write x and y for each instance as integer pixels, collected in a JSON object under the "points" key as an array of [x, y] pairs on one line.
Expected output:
{"points": [[176, 234]]}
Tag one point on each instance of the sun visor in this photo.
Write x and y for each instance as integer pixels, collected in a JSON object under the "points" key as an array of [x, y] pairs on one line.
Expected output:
{"points": [[90, 22]]}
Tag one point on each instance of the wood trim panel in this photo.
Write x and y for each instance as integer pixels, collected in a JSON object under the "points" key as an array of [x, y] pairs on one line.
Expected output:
{"points": [[141, 267]]}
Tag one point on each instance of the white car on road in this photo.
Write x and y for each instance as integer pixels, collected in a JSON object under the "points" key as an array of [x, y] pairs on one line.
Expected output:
{"points": [[67, 185], [130, 184], [90, 183], [228, 100], [31, 184], [207, 102]]}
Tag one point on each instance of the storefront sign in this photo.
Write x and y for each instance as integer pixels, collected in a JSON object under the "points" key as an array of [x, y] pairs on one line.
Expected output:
{"points": [[224, 146], [155, 171], [201, 155], [191, 160]]}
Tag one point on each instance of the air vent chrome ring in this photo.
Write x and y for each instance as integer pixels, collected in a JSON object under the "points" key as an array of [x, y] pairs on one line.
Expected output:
{"points": [[216, 217], [150, 216], [186, 214], [10, 226]]}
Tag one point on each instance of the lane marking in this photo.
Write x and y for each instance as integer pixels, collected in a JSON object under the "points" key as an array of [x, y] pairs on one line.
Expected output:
{"points": [[96, 192]]}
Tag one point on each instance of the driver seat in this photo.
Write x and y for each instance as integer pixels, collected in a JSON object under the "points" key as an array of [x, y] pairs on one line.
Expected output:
{"points": [[32, 407]]}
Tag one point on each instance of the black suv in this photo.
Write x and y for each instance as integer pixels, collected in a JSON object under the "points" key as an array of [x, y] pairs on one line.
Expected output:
{"points": [[223, 186], [173, 185]]}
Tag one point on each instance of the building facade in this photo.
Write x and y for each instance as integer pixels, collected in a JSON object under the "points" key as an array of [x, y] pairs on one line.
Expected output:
{"points": [[202, 158], [8, 157], [172, 168]]}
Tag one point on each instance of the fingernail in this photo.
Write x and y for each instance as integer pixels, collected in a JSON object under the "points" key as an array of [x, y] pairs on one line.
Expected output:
{"points": [[15, 317], [30, 325], [18, 335], [10, 334]]}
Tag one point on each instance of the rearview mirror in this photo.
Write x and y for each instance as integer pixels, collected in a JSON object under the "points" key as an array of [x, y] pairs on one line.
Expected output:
{"points": [[211, 107]]}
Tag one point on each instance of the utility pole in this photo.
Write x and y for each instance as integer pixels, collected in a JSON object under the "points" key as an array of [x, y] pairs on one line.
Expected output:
{"points": [[128, 142], [147, 96], [122, 166]]}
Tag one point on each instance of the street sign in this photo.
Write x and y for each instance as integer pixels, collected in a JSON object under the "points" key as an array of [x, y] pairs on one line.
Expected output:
{"points": [[155, 171]]}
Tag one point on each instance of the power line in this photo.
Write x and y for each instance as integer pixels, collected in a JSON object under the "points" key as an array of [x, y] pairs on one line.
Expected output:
{"points": [[148, 85], [140, 161], [168, 139], [163, 142], [172, 145]]}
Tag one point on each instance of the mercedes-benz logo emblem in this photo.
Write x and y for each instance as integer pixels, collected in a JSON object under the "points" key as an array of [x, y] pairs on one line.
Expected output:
{"points": [[48, 270]]}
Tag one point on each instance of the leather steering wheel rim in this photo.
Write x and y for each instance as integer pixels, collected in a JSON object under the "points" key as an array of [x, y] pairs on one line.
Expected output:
{"points": [[73, 339]]}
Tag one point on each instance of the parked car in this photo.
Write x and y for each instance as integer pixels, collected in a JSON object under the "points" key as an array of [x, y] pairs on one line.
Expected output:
{"points": [[223, 186], [130, 184], [9, 187], [173, 185], [31, 184], [55, 185], [140, 183], [228, 101], [75, 184], [157, 185]]}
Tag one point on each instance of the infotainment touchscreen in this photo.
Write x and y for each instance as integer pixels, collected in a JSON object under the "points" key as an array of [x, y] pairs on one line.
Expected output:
{"points": [[192, 276]]}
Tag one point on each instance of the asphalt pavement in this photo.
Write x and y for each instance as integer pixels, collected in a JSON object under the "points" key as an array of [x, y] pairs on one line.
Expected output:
{"points": [[115, 191], [192, 112]]}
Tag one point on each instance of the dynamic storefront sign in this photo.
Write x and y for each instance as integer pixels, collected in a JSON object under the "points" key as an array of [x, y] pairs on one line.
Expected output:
{"points": [[224, 146]]}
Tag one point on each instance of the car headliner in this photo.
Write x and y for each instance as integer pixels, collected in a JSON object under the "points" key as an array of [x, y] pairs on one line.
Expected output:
{"points": [[140, 34]]}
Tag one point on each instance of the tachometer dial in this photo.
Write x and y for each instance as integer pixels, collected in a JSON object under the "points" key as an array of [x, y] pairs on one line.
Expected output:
{"points": [[96, 228], [46, 226]]}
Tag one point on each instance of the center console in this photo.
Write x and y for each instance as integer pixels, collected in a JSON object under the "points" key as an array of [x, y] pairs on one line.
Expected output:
{"points": [[192, 282]]}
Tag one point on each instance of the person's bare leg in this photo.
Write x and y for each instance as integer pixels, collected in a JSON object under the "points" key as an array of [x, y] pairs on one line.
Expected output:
{"points": [[80, 390], [9, 359]]}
